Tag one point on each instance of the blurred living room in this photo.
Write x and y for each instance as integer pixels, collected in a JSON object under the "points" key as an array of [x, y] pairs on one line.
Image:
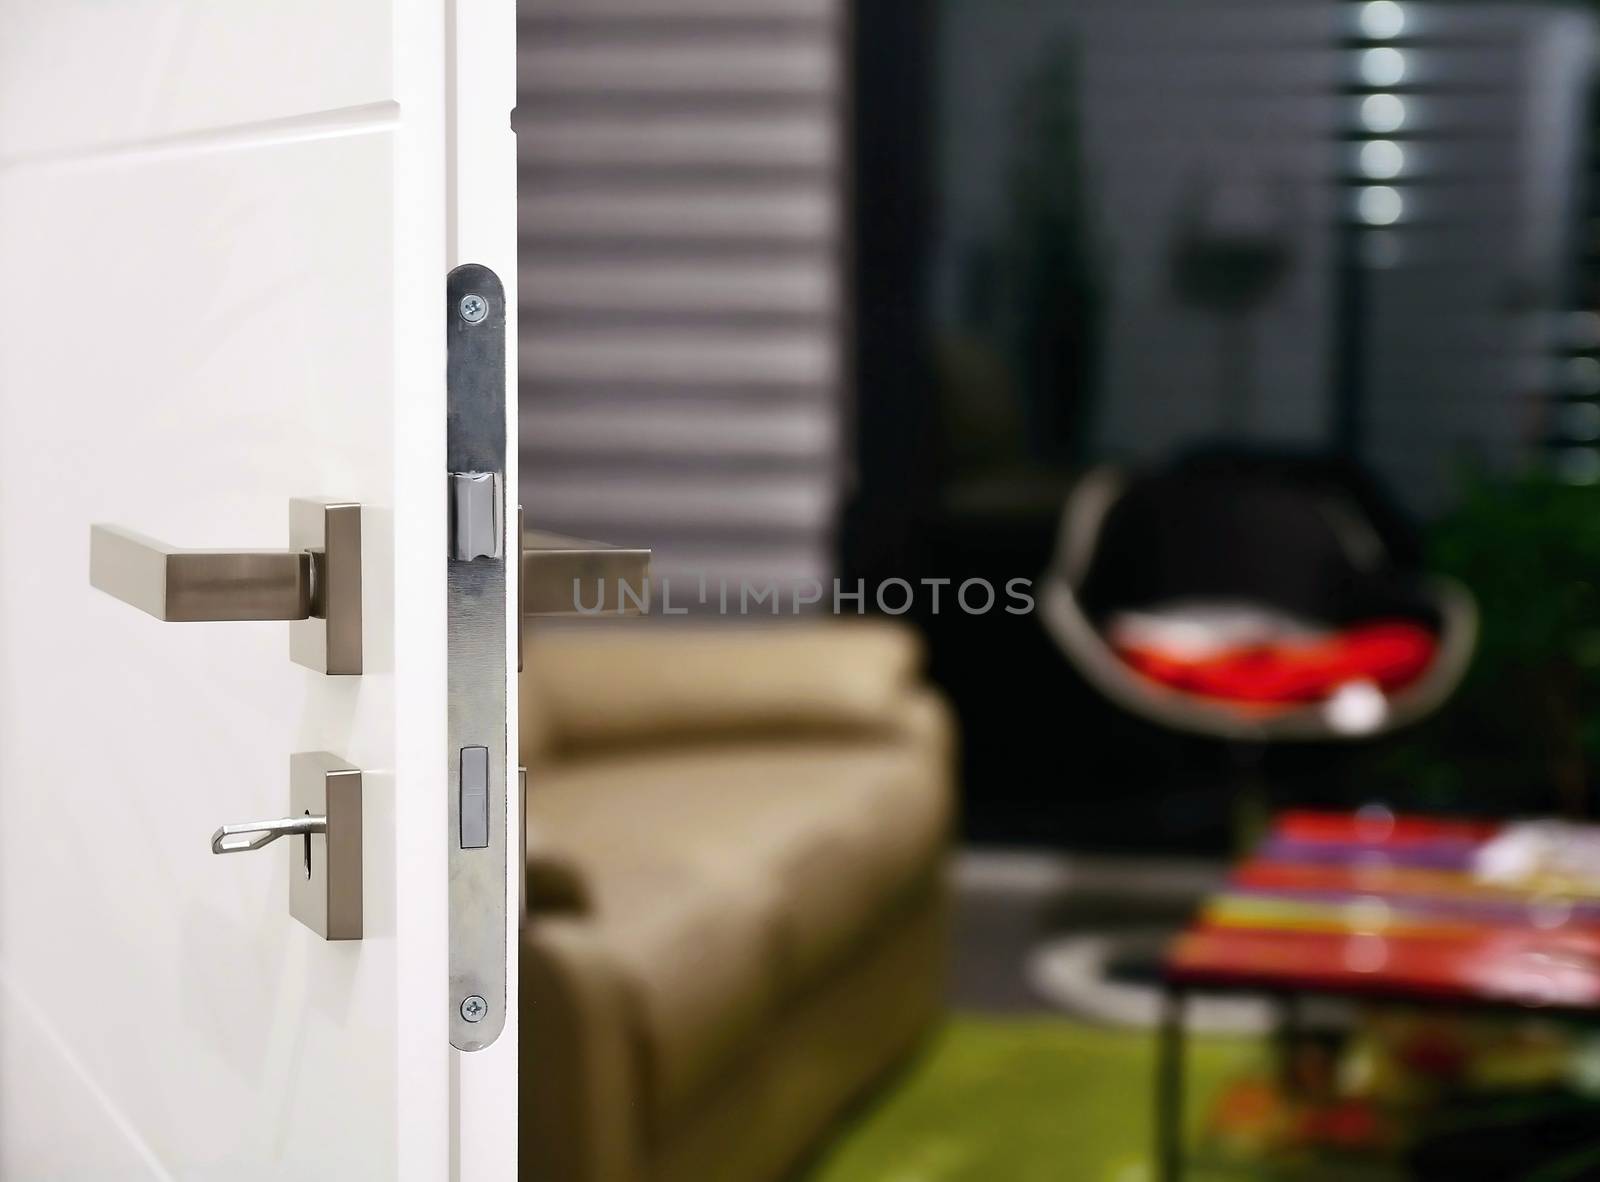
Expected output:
{"points": [[1119, 698]]}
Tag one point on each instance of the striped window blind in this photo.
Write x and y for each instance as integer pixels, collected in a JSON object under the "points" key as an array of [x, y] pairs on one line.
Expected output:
{"points": [[681, 247], [1467, 257]]}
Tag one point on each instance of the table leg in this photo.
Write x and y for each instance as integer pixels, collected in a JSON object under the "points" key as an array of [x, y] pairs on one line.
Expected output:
{"points": [[1169, 1087], [1289, 1034]]}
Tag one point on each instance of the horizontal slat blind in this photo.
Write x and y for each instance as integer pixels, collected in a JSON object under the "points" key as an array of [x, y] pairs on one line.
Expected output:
{"points": [[681, 243], [1461, 290]]}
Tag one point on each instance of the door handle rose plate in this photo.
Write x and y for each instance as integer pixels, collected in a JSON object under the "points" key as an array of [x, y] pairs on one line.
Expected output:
{"points": [[325, 860]]}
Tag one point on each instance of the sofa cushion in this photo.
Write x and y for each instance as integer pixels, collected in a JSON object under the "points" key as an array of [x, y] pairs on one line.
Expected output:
{"points": [[727, 878], [597, 687], [697, 971]]}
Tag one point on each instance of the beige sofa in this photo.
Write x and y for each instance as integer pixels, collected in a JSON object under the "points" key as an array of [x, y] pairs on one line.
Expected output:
{"points": [[736, 911]]}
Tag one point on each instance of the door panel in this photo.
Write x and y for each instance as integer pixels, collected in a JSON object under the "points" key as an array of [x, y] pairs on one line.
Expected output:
{"points": [[224, 257], [139, 71]]}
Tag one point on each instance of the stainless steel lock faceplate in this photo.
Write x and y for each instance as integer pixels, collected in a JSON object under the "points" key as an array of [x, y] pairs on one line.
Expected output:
{"points": [[479, 657]]}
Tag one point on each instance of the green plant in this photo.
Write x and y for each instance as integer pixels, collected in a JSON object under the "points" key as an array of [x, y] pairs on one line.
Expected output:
{"points": [[1523, 732]]}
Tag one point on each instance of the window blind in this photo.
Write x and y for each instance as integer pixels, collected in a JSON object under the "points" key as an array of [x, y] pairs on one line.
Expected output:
{"points": [[681, 241]]}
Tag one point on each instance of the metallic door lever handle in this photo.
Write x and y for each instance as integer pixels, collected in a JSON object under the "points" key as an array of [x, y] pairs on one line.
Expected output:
{"points": [[317, 579], [180, 585], [563, 576], [570, 576], [226, 840]]}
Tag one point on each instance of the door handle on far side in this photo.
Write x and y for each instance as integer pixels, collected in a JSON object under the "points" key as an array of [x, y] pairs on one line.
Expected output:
{"points": [[559, 574], [555, 570], [315, 583]]}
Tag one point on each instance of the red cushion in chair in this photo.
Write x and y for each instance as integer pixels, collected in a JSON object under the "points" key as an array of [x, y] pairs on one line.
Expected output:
{"points": [[1389, 653]]}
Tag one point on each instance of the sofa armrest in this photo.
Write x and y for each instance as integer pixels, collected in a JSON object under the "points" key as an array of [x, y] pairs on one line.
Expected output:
{"points": [[580, 1104], [597, 686]]}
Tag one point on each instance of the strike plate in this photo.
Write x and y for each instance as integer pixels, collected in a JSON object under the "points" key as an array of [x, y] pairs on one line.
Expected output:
{"points": [[478, 654]]}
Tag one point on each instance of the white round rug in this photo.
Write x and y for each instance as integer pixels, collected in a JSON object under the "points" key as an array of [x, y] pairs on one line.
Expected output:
{"points": [[1077, 974]]}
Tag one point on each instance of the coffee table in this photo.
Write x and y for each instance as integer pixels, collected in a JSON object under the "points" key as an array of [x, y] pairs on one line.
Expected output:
{"points": [[1381, 907]]}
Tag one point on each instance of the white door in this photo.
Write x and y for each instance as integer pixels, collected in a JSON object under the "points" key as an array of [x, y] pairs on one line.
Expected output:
{"points": [[225, 231]]}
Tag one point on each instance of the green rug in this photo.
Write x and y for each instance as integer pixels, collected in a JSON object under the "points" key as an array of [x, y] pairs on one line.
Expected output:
{"points": [[1023, 1100]]}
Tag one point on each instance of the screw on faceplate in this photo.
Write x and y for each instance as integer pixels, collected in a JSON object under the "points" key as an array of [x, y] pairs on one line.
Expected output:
{"points": [[474, 1008], [473, 309]]}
